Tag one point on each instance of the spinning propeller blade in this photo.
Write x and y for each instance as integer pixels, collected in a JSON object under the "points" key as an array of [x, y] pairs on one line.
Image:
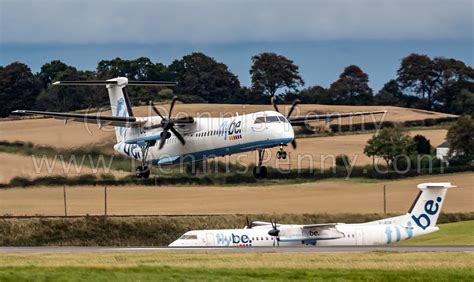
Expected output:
{"points": [[168, 123], [293, 106], [274, 233]]}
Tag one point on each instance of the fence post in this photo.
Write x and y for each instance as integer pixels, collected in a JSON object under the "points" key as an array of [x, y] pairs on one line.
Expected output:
{"points": [[384, 200], [105, 201], [65, 201]]}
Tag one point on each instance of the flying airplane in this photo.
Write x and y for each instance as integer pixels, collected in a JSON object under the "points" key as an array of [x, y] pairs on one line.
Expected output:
{"points": [[420, 220], [165, 140]]}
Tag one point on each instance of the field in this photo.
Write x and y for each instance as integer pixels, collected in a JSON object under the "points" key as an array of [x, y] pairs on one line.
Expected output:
{"points": [[328, 196], [51, 132], [421, 266]]}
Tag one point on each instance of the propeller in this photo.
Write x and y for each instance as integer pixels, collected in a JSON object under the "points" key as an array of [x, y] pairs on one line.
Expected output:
{"points": [[274, 232], [293, 106], [249, 223], [168, 123]]}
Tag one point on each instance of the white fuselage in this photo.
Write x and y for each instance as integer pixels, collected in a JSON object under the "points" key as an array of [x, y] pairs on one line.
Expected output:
{"points": [[363, 234], [210, 137]]}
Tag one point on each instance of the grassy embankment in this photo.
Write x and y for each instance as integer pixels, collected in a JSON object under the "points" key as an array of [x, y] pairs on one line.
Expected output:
{"points": [[375, 266], [456, 233], [161, 230]]}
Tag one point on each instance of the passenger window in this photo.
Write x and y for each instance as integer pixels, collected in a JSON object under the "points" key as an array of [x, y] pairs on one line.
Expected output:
{"points": [[260, 120], [272, 119]]}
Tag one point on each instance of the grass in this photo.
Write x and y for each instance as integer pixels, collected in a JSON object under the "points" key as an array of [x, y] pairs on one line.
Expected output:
{"points": [[457, 233], [162, 230], [223, 274], [374, 266]]}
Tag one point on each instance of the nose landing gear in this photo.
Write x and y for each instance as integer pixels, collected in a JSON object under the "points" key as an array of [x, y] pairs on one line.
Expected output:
{"points": [[281, 154], [260, 171]]}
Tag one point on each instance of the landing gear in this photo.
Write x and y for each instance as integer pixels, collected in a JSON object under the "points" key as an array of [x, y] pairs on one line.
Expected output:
{"points": [[281, 154], [260, 171], [143, 171]]}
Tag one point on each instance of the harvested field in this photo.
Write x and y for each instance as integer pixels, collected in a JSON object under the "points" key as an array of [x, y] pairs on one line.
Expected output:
{"points": [[329, 196], [320, 152], [316, 152], [51, 132], [16, 165]]}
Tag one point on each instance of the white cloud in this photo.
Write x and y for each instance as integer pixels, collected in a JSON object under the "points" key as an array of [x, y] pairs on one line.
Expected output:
{"points": [[213, 21]]}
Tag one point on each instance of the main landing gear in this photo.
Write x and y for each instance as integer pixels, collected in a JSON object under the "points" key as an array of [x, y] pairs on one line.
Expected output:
{"points": [[143, 171], [281, 154], [260, 171]]}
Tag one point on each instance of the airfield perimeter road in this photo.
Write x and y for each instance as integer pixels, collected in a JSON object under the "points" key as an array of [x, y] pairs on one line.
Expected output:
{"points": [[302, 249]]}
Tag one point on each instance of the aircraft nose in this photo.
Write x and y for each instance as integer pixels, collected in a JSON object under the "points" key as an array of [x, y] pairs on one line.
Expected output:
{"points": [[288, 132], [174, 244]]}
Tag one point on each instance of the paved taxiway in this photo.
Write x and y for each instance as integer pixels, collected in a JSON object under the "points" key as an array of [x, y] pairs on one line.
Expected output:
{"points": [[302, 249]]}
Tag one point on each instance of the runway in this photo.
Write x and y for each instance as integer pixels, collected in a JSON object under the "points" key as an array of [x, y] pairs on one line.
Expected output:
{"points": [[303, 249]]}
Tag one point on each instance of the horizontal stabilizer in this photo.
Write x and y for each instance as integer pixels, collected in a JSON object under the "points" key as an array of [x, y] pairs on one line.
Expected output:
{"points": [[116, 82]]}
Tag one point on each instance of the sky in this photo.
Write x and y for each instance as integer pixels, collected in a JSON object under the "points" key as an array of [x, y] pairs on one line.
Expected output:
{"points": [[322, 37]]}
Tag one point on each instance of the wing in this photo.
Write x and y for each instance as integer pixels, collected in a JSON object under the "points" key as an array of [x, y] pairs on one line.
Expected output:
{"points": [[319, 226], [301, 120], [96, 118]]}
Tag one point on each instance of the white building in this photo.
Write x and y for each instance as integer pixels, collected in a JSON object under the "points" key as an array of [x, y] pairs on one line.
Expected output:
{"points": [[442, 152]]}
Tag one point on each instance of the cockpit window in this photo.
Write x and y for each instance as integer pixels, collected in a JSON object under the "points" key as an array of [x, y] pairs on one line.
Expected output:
{"points": [[260, 120], [272, 119], [283, 119]]}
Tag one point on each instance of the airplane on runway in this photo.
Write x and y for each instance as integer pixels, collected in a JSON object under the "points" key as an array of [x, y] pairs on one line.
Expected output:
{"points": [[165, 140], [420, 220]]}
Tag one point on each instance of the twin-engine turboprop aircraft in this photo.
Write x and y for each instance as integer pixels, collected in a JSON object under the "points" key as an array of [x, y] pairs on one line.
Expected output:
{"points": [[166, 140], [420, 220]]}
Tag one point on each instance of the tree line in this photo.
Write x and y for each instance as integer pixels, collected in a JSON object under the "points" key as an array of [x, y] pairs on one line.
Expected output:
{"points": [[440, 84]]}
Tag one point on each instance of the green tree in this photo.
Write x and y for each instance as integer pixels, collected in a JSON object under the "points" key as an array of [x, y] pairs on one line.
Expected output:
{"points": [[391, 94], [271, 72], [352, 87], [455, 78], [461, 138], [423, 145], [18, 88], [464, 103], [316, 95], [418, 74], [388, 144], [206, 78], [57, 98], [50, 71]]}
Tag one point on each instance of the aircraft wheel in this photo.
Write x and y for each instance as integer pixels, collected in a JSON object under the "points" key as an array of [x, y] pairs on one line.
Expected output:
{"points": [[146, 172], [263, 172], [283, 155], [256, 172], [278, 155], [138, 172]]}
